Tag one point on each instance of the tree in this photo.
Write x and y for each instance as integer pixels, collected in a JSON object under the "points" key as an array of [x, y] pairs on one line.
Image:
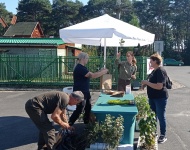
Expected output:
{"points": [[6, 15], [96, 8], [35, 11], [134, 21], [153, 15], [64, 14]]}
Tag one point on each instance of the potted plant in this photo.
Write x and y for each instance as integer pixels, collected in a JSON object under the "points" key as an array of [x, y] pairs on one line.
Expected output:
{"points": [[141, 102], [147, 137], [109, 132], [146, 121]]}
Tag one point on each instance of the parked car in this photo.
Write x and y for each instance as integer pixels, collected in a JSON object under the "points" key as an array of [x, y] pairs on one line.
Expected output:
{"points": [[172, 62]]}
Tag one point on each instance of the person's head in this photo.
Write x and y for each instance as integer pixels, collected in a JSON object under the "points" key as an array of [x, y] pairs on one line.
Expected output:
{"points": [[131, 58], [155, 60], [76, 97], [82, 58]]}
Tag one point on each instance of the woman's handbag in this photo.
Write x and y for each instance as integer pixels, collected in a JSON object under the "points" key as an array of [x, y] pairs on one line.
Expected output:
{"points": [[168, 83]]}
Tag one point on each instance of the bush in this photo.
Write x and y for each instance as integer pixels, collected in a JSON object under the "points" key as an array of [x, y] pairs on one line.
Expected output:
{"points": [[109, 131]]}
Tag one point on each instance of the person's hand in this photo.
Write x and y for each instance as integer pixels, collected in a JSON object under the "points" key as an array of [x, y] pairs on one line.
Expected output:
{"points": [[71, 128], [144, 82], [133, 76], [142, 87], [118, 55], [104, 71]]}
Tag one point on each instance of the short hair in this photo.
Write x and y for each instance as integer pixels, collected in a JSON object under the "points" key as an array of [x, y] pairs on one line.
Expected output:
{"points": [[78, 95], [82, 55], [156, 57]]}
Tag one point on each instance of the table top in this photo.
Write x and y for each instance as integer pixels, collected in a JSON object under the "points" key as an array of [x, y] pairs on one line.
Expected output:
{"points": [[102, 106]]}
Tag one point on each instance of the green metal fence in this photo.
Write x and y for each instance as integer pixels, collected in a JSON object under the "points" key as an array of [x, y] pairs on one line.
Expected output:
{"points": [[55, 71]]}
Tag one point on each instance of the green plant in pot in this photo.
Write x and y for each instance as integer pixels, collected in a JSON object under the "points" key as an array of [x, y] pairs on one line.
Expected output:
{"points": [[112, 131], [94, 130], [141, 102], [146, 121], [148, 130], [109, 131]]}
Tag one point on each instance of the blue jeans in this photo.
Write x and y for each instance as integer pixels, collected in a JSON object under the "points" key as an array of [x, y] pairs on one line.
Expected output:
{"points": [[159, 107]]}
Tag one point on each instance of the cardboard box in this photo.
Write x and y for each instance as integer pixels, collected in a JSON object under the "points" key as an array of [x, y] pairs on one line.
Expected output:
{"points": [[106, 82]]}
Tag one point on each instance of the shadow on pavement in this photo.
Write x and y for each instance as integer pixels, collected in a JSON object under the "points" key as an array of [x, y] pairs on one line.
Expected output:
{"points": [[16, 131]]}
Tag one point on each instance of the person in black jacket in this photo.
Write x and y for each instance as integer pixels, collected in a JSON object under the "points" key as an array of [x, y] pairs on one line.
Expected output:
{"points": [[157, 93], [81, 76]]}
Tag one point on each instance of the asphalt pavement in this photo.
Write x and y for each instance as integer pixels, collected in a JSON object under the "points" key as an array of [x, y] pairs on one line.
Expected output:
{"points": [[17, 132]]}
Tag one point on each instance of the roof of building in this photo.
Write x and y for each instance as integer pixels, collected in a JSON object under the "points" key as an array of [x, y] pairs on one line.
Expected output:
{"points": [[22, 29], [43, 41], [74, 47]]}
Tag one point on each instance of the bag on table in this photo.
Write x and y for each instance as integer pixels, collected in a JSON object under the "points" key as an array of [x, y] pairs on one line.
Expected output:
{"points": [[106, 82]]}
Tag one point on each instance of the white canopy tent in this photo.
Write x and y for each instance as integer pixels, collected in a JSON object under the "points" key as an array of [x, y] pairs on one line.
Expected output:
{"points": [[106, 31]]}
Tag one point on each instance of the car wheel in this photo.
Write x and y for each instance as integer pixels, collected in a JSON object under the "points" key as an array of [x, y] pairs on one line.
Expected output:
{"points": [[179, 64], [164, 64]]}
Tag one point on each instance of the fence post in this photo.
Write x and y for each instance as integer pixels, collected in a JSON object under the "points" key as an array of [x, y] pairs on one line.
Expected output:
{"points": [[18, 67], [60, 67], [144, 67]]}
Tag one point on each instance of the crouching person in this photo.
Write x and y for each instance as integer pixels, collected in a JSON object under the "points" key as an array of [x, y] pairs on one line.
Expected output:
{"points": [[54, 103]]}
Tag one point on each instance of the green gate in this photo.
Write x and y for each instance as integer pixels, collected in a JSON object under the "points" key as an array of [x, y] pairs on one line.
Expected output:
{"points": [[55, 71]]}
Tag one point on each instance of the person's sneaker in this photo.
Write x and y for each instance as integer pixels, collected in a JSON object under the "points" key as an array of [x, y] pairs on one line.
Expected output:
{"points": [[162, 139]]}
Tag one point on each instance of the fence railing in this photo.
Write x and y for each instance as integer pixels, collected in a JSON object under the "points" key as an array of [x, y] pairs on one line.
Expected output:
{"points": [[55, 71]]}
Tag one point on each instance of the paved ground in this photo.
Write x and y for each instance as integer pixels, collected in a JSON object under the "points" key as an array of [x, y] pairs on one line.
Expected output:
{"points": [[17, 132]]}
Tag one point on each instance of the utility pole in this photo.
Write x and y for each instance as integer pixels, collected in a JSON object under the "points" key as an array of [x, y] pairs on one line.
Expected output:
{"points": [[118, 14]]}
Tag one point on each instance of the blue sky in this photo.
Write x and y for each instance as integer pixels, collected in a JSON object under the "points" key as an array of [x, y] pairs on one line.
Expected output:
{"points": [[11, 5]]}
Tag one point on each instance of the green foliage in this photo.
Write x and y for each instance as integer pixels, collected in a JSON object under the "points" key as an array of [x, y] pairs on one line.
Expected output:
{"points": [[110, 131], [120, 102], [35, 11], [91, 50], [168, 20], [147, 123], [148, 129], [6, 16], [134, 21], [186, 53], [94, 130], [64, 13], [141, 102]]}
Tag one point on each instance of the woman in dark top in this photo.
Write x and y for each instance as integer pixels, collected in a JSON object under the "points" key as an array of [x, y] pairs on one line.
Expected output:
{"points": [[157, 93], [81, 77], [127, 70]]}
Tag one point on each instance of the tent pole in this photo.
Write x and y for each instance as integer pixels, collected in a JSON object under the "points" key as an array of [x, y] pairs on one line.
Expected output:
{"points": [[118, 13], [104, 52]]}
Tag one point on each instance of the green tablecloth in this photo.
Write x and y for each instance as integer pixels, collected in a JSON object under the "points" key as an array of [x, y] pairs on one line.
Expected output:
{"points": [[102, 106]]}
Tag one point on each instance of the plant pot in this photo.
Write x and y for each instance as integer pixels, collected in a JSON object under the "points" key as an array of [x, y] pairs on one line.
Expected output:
{"points": [[102, 146], [140, 147]]}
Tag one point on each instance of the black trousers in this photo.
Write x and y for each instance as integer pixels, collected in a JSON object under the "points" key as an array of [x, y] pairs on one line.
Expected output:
{"points": [[86, 106], [40, 119]]}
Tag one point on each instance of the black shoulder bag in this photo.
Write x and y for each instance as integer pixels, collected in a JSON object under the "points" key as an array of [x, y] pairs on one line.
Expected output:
{"points": [[168, 81]]}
